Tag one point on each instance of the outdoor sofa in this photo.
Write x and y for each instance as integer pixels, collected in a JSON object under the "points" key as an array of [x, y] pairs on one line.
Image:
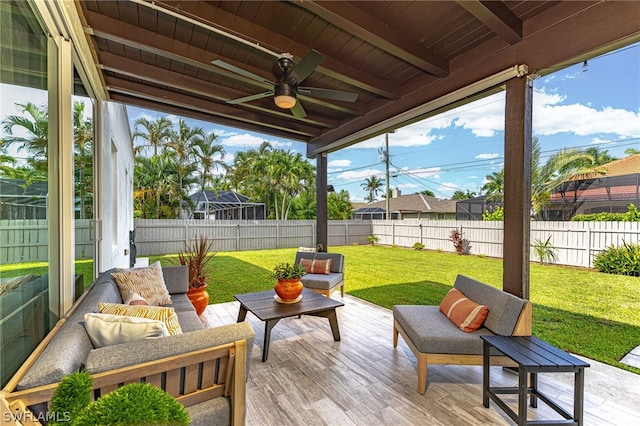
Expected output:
{"points": [[434, 339], [204, 368]]}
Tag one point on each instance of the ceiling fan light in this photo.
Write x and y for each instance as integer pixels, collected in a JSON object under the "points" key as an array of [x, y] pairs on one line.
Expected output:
{"points": [[285, 96]]}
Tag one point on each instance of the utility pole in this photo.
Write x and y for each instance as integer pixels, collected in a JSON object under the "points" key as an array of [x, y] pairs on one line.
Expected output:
{"points": [[386, 160]]}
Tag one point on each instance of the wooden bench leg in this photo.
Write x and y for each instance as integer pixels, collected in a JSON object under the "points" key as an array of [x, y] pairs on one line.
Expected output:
{"points": [[422, 373]]}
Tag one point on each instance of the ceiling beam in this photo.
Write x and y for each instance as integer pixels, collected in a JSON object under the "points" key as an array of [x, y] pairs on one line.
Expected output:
{"points": [[331, 66], [497, 17], [162, 95], [369, 29], [152, 74], [149, 41], [198, 115]]}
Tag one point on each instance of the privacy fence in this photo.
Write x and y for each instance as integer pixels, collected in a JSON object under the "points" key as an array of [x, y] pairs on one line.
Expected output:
{"points": [[576, 243]]}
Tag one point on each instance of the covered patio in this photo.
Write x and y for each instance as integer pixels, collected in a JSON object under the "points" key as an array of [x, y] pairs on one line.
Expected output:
{"points": [[362, 380]]}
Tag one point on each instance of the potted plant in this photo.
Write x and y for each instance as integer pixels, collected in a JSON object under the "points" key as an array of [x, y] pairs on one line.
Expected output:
{"points": [[197, 256], [288, 287]]}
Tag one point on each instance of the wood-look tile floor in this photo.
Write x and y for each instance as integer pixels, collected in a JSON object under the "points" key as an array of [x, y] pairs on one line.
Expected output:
{"points": [[309, 379]]}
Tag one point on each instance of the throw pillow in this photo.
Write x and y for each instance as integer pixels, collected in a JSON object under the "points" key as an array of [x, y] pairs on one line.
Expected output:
{"points": [[135, 299], [148, 282], [166, 315], [462, 311], [107, 330], [316, 266]]}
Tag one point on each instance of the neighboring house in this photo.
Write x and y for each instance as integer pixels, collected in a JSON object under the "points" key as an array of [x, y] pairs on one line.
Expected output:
{"points": [[224, 205], [474, 208], [414, 206], [18, 201], [611, 191]]}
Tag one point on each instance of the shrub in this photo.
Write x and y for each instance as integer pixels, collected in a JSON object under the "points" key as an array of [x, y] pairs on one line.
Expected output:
{"points": [[460, 244], [372, 239], [622, 260], [417, 245], [545, 250], [632, 215], [497, 214]]}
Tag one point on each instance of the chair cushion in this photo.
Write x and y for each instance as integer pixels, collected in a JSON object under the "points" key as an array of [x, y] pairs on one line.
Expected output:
{"points": [[337, 260], [504, 308], [432, 332], [462, 311], [321, 281]]}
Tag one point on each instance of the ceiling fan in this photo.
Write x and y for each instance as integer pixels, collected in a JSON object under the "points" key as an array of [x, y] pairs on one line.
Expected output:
{"points": [[286, 88]]}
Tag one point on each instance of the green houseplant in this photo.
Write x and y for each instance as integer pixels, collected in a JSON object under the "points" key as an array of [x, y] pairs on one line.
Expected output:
{"points": [[288, 286], [197, 256]]}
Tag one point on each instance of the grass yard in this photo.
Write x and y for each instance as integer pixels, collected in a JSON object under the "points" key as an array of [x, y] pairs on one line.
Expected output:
{"points": [[582, 311]]}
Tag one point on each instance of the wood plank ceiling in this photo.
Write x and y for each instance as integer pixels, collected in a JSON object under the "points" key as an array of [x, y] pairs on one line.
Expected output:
{"points": [[395, 55]]}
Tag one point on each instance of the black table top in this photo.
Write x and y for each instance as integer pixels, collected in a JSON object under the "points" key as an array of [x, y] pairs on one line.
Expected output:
{"points": [[264, 306], [529, 351]]}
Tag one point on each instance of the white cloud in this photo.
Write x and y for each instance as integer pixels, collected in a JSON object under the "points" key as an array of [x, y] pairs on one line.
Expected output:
{"points": [[472, 177], [408, 186], [433, 172], [488, 156], [600, 141], [447, 188], [360, 174], [339, 163], [246, 140], [550, 117], [418, 134]]}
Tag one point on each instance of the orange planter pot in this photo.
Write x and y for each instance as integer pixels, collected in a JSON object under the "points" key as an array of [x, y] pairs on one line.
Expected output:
{"points": [[199, 298], [288, 289]]}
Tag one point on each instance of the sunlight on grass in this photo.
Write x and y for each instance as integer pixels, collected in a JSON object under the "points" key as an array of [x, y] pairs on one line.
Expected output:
{"points": [[582, 311]]}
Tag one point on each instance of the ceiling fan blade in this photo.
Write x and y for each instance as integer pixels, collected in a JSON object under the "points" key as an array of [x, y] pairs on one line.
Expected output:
{"points": [[336, 95], [298, 111], [250, 98], [222, 64], [307, 64]]}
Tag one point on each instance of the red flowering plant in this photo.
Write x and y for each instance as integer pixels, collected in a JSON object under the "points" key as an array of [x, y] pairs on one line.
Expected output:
{"points": [[460, 244], [198, 255]]}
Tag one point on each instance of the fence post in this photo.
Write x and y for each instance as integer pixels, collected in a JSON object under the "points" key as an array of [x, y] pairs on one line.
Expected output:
{"points": [[278, 235], [238, 236]]}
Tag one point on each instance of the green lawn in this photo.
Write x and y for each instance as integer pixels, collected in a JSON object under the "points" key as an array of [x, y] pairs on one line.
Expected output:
{"points": [[582, 311]]}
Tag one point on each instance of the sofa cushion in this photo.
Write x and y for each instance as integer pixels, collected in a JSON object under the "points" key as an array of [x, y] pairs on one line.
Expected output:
{"points": [[466, 314], [160, 313], [213, 412], [70, 347], [148, 282], [432, 332], [321, 281], [316, 266], [181, 303], [113, 357], [189, 321], [504, 308], [176, 278]]}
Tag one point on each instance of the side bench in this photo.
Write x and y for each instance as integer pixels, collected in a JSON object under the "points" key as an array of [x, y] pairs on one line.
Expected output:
{"points": [[434, 339]]}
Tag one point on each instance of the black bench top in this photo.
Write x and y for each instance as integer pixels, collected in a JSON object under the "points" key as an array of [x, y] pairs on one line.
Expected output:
{"points": [[531, 352]]}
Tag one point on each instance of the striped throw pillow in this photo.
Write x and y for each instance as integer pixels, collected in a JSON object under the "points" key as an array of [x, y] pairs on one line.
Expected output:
{"points": [[316, 266], [148, 282], [466, 314], [166, 315]]}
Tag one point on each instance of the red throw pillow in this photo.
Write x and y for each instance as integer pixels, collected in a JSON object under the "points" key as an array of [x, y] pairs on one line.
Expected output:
{"points": [[462, 311], [316, 266]]}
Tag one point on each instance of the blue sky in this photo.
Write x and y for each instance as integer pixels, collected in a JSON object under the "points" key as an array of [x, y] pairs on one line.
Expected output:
{"points": [[573, 107]]}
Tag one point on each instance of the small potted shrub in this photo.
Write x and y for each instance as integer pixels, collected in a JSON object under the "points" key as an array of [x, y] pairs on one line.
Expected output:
{"points": [[288, 287]]}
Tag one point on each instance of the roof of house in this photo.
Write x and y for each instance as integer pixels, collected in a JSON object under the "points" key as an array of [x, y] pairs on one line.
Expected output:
{"points": [[228, 197], [416, 203], [624, 166]]}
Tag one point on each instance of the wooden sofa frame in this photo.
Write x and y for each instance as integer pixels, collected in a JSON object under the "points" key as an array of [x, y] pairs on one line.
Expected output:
{"points": [[522, 328], [191, 377]]}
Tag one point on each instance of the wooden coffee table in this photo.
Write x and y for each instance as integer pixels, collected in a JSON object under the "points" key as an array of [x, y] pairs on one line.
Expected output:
{"points": [[264, 306]]}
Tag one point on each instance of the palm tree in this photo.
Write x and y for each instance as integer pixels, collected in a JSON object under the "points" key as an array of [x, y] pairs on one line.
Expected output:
{"points": [[494, 187], [211, 156], [373, 185], [632, 151], [35, 122], [83, 144], [154, 132]]}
